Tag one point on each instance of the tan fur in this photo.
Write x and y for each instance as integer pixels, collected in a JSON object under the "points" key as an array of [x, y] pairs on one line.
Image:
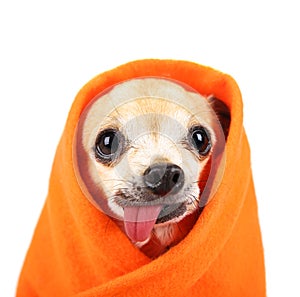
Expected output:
{"points": [[154, 115]]}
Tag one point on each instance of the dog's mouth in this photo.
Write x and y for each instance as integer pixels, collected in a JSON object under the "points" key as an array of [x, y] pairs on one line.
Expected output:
{"points": [[170, 212], [139, 221]]}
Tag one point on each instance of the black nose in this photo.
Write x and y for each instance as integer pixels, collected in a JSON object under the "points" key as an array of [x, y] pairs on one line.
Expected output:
{"points": [[164, 178]]}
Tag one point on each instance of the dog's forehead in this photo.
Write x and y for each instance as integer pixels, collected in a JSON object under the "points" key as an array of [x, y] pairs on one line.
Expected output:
{"points": [[150, 114], [136, 99]]}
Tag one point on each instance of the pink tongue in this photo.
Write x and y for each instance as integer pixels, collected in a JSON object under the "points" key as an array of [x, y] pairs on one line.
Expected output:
{"points": [[139, 221]]}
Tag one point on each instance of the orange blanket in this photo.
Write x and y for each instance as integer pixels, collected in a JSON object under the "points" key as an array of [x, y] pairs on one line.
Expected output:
{"points": [[77, 250]]}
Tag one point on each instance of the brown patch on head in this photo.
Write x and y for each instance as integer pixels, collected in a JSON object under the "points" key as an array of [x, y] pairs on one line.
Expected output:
{"points": [[223, 113]]}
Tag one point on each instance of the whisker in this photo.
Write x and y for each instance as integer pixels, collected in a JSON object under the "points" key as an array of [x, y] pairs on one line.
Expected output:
{"points": [[194, 201], [199, 181], [116, 179]]}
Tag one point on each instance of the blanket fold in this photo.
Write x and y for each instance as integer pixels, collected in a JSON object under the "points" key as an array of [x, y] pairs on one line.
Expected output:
{"points": [[78, 251]]}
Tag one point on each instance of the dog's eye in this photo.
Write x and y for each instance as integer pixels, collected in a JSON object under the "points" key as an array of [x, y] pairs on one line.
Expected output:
{"points": [[200, 140], [107, 145]]}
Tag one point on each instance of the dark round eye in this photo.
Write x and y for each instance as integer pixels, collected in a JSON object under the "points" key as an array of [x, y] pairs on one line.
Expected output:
{"points": [[108, 144], [200, 140]]}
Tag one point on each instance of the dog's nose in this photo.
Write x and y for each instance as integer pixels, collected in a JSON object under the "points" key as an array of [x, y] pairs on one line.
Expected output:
{"points": [[164, 178]]}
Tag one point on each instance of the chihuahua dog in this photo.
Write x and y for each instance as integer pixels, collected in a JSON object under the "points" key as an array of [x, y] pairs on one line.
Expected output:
{"points": [[145, 153]]}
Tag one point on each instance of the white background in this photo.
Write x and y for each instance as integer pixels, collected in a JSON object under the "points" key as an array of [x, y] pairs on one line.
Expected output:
{"points": [[48, 50]]}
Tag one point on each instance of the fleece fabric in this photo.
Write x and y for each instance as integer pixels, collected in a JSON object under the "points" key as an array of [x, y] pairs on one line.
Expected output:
{"points": [[77, 250]]}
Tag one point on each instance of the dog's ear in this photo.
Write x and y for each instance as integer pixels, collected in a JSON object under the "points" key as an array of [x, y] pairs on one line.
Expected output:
{"points": [[222, 112]]}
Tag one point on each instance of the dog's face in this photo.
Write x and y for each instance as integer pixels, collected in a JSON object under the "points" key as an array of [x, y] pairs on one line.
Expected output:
{"points": [[148, 142]]}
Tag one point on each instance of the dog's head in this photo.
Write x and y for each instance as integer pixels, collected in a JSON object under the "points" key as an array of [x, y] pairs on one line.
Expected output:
{"points": [[145, 149]]}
